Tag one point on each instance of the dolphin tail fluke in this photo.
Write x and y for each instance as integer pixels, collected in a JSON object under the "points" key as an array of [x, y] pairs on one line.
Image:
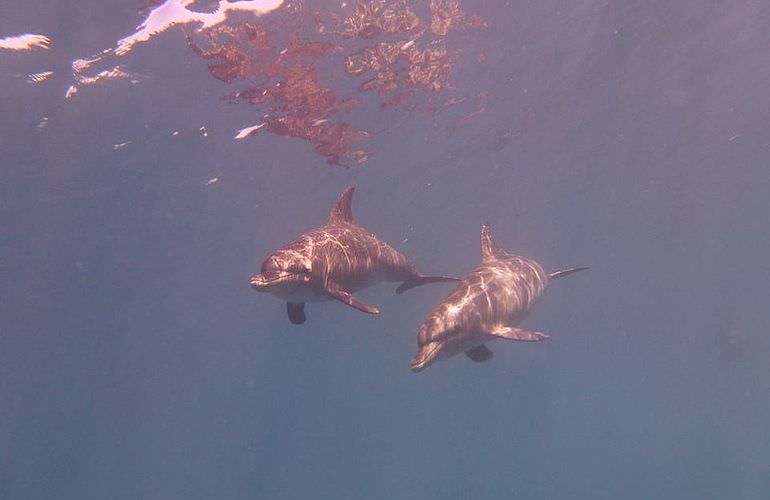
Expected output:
{"points": [[565, 272], [423, 280]]}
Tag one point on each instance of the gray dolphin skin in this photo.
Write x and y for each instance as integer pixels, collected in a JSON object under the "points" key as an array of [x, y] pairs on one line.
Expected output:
{"points": [[486, 305], [334, 261]]}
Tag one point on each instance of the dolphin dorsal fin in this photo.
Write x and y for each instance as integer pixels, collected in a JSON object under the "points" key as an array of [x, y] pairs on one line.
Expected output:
{"points": [[488, 246], [342, 213]]}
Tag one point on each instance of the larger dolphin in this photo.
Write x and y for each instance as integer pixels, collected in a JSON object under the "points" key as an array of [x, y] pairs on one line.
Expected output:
{"points": [[487, 304], [334, 261]]}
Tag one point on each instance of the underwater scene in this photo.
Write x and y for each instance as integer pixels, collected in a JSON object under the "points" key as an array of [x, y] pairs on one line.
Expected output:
{"points": [[384, 249]]}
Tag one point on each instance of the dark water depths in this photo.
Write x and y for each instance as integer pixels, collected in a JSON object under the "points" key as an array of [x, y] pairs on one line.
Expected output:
{"points": [[135, 361]]}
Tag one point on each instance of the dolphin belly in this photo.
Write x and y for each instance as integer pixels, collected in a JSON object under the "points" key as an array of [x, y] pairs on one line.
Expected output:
{"points": [[463, 342], [303, 294], [300, 292], [313, 291]]}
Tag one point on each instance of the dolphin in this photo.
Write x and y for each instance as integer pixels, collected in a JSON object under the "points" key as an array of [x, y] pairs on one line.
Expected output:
{"points": [[334, 261], [488, 304]]}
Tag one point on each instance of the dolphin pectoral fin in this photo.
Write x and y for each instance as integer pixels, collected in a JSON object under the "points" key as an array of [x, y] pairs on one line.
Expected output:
{"points": [[296, 312], [479, 353], [513, 333], [353, 302], [423, 280]]}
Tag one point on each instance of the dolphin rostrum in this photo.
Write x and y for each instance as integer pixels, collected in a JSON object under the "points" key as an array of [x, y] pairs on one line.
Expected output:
{"points": [[489, 302], [334, 261]]}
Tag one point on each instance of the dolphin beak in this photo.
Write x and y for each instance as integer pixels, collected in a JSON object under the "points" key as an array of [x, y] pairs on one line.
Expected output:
{"points": [[258, 282], [417, 366], [267, 281], [425, 356]]}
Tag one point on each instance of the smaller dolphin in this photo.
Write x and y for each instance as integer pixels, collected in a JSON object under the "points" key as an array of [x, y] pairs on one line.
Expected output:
{"points": [[333, 261], [486, 305]]}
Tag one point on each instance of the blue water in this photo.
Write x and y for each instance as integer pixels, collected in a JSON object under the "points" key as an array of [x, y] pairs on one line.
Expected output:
{"points": [[136, 362]]}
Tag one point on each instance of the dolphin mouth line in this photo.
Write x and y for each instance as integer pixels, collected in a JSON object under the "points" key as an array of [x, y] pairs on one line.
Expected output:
{"points": [[419, 365], [264, 281]]}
